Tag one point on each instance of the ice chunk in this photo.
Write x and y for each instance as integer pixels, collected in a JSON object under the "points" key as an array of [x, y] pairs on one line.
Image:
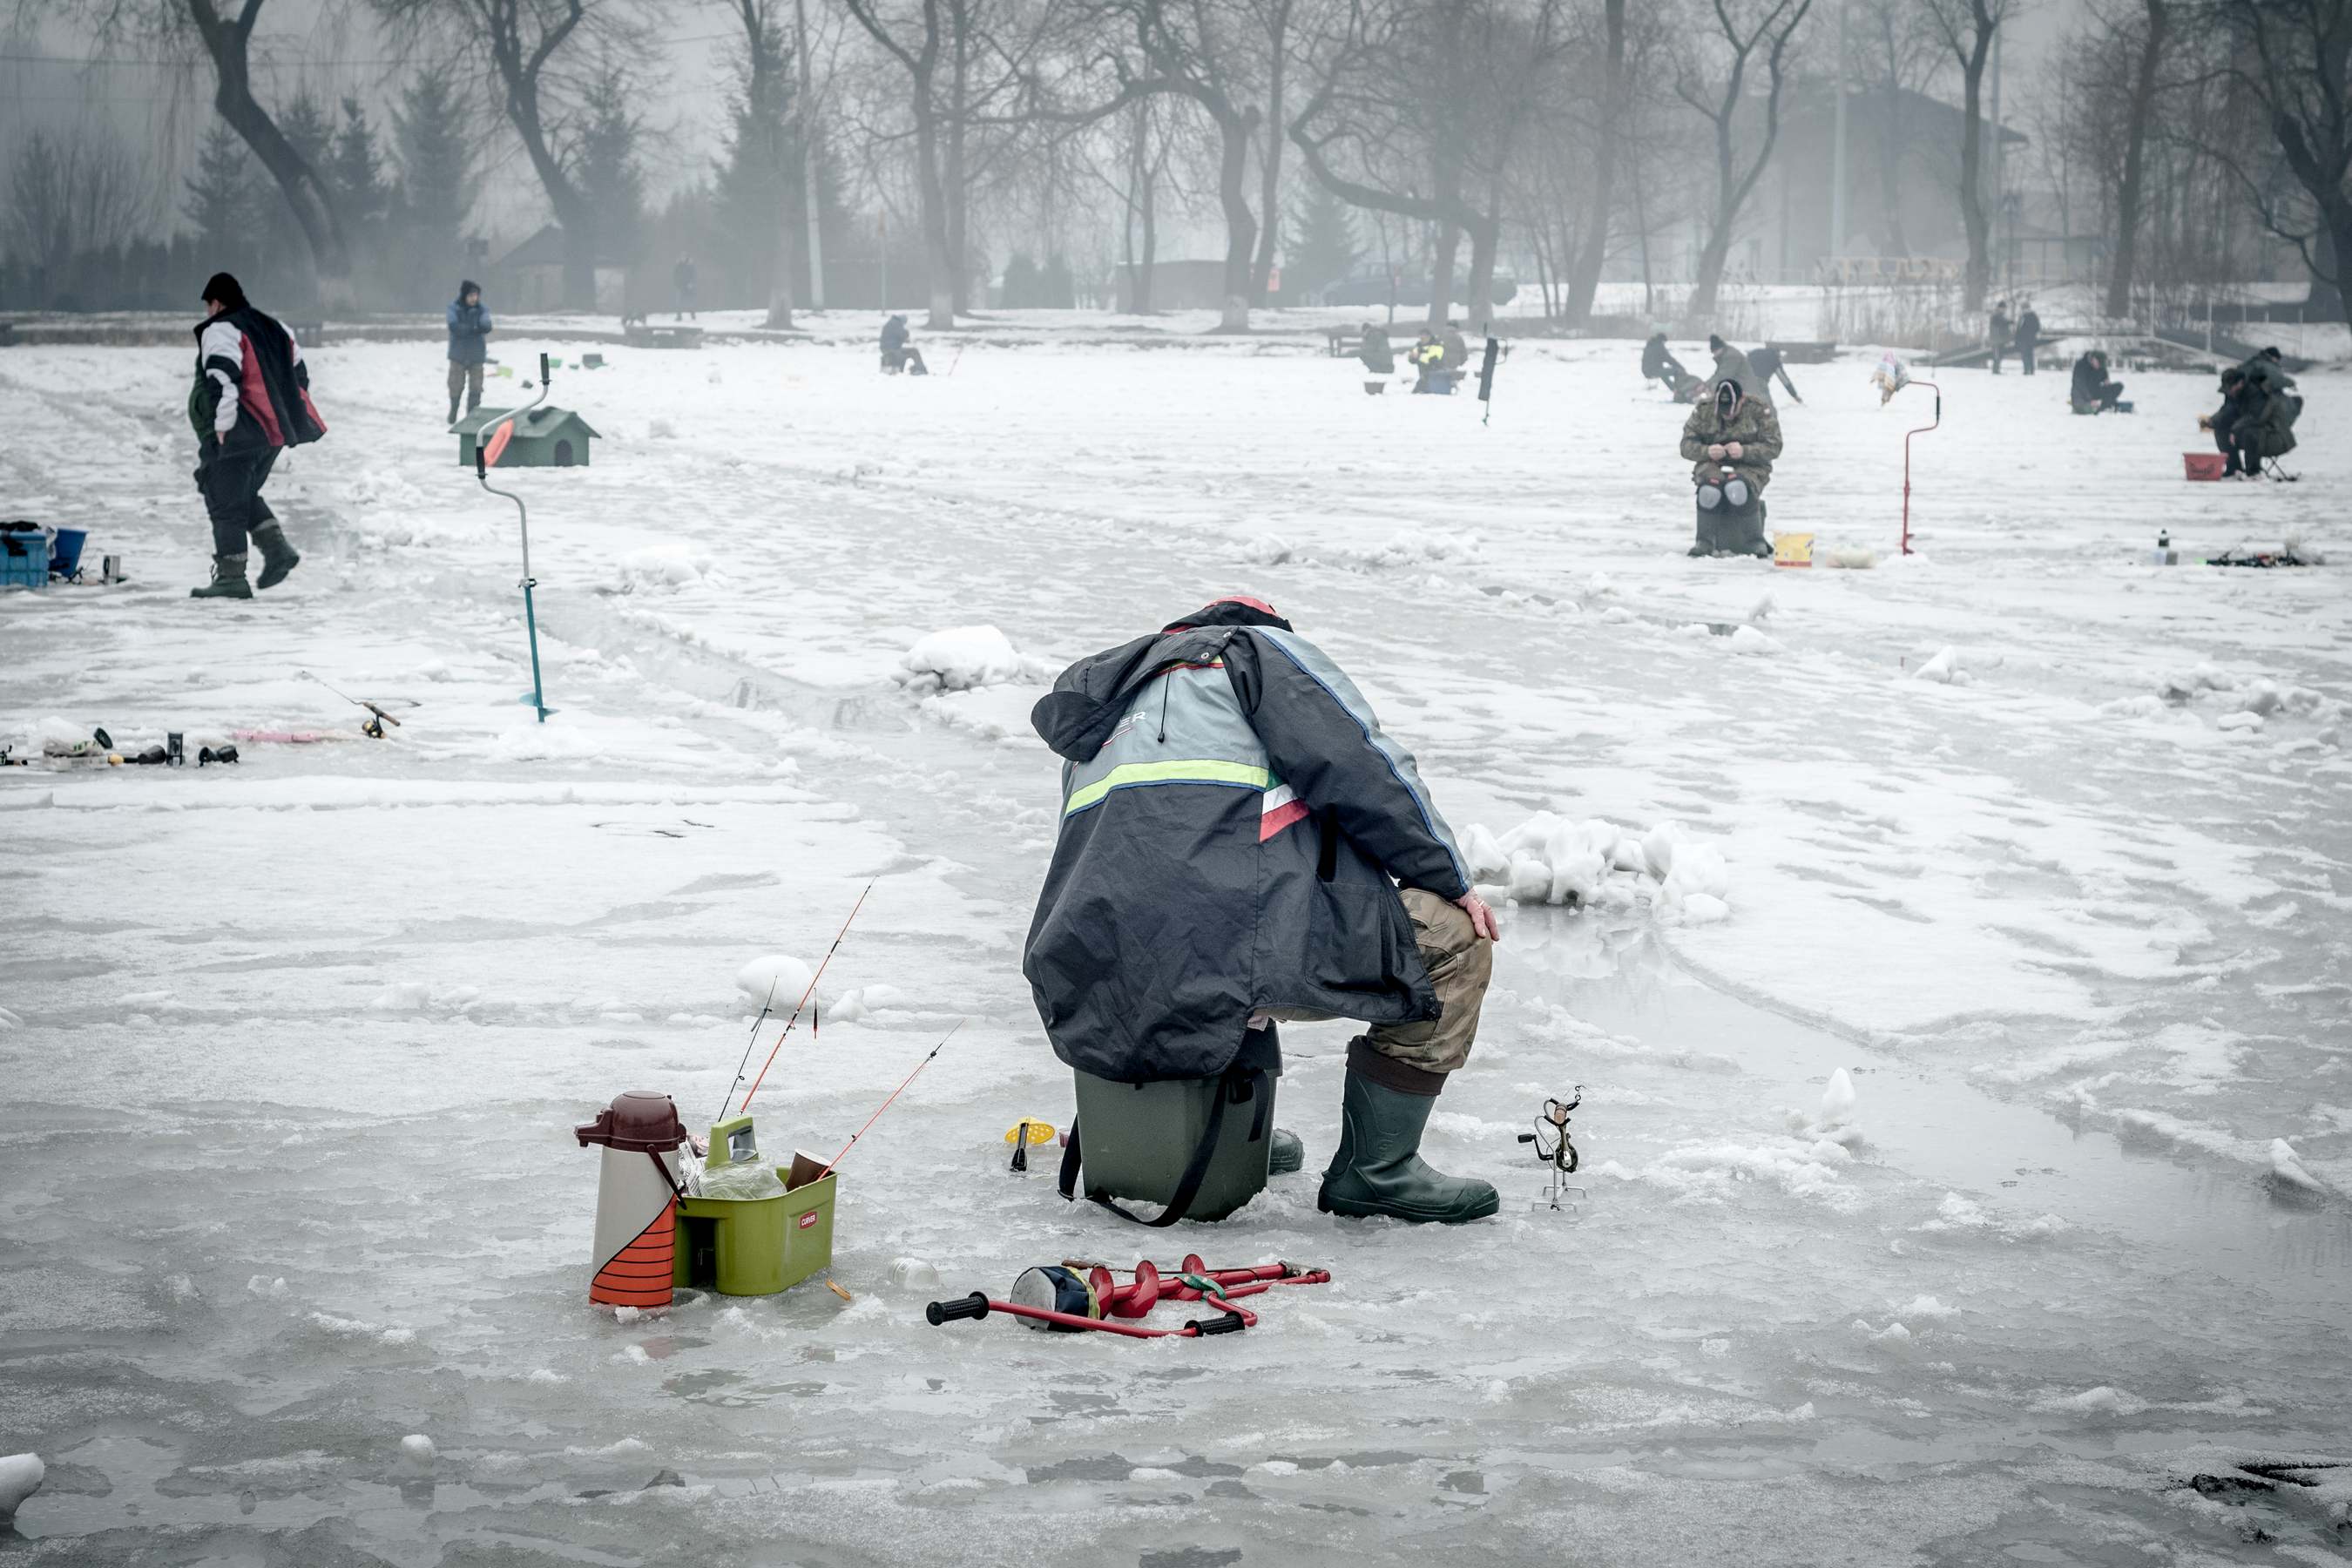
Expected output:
{"points": [[416, 1449], [963, 658], [1837, 1100], [1748, 639], [777, 980], [20, 1478]]}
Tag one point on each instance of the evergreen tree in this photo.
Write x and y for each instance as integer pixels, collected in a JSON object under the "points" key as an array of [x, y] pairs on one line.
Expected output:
{"points": [[606, 167], [356, 171], [1327, 249], [436, 187], [223, 200]]}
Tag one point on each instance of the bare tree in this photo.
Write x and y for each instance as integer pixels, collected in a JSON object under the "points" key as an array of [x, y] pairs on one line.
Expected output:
{"points": [[1747, 29], [765, 85], [2155, 27], [1273, 18], [72, 194], [2295, 66], [524, 44], [177, 28], [1892, 53], [1384, 127], [1968, 28], [1592, 255]]}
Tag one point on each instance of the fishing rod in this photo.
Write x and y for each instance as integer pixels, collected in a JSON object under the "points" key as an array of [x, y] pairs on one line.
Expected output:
{"points": [[895, 1093], [748, 1046], [374, 728], [796, 1011]]}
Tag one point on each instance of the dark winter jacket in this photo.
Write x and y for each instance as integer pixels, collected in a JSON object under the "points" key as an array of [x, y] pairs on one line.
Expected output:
{"points": [[1752, 423], [894, 334], [251, 387], [2000, 333], [1657, 360], [469, 331], [2265, 374], [2090, 383], [2029, 332], [1457, 351], [1730, 364], [1378, 357], [1234, 827], [2268, 423]]}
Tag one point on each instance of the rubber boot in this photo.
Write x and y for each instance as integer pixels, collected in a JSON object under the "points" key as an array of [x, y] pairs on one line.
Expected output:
{"points": [[1379, 1170], [278, 556], [453, 411], [1287, 1155], [228, 580]]}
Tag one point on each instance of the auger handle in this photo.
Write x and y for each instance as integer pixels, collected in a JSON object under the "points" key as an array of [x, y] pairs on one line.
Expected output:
{"points": [[1231, 1323], [973, 1306]]}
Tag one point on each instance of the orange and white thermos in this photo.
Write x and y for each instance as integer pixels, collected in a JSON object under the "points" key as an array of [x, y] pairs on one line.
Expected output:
{"points": [[636, 1199]]}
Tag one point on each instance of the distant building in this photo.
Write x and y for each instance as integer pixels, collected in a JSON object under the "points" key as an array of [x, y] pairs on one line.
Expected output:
{"points": [[530, 275]]}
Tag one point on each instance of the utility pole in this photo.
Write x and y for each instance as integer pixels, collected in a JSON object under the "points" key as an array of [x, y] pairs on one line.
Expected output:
{"points": [[1837, 146], [808, 169]]}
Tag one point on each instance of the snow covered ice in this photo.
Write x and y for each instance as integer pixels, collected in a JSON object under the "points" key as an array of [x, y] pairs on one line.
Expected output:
{"points": [[1954, 947]]}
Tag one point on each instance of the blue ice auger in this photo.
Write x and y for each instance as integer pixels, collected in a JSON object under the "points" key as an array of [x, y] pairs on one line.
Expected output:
{"points": [[486, 455]]}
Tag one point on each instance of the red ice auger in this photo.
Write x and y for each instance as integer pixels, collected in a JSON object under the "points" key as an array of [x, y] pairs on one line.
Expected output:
{"points": [[1074, 1295]]}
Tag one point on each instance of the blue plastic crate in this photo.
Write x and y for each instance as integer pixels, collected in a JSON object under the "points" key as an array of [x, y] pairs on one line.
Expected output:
{"points": [[25, 559]]}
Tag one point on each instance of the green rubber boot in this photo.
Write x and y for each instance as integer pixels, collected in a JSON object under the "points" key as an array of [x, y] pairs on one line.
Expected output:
{"points": [[228, 580], [1379, 1170], [279, 555], [1287, 1155]]}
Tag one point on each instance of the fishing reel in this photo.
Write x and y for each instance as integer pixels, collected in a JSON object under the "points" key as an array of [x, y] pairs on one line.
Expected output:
{"points": [[1560, 1154]]}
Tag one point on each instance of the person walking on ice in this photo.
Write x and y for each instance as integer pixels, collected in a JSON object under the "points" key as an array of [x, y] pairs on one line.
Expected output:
{"points": [[251, 400], [1731, 440], [1240, 845], [469, 336]]}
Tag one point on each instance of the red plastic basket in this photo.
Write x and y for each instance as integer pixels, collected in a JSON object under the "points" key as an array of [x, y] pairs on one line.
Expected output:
{"points": [[2204, 465]]}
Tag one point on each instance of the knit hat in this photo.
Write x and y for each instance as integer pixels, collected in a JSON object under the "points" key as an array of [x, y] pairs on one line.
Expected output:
{"points": [[224, 288]]}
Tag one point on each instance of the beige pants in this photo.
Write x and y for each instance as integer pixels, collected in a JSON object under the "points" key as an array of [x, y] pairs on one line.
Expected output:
{"points": [[1460, 964], [468, 379]]}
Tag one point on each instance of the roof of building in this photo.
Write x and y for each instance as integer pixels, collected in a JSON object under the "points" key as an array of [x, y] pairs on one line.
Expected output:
{"points": [[544, 420], [545, 248]]}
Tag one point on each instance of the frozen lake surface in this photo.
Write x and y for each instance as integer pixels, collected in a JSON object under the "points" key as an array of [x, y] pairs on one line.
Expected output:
{"points": [[2049, 849]]}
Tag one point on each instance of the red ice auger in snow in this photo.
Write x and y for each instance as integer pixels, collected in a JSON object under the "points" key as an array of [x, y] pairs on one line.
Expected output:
{"points": [[1074, 1296]]}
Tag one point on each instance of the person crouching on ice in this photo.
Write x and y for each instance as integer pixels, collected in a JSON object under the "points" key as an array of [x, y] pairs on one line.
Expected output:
{"points": [[1240, 845], [1731, 440]]}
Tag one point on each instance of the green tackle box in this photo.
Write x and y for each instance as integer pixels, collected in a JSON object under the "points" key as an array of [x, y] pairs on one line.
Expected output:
{"points": [[757, 1247]]}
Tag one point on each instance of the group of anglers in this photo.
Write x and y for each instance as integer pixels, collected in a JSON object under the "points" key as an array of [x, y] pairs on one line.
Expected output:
{"points": [[1439, 357]]}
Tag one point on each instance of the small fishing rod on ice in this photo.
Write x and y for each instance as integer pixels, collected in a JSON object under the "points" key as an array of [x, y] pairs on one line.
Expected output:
{"points": [[895, 1093], [793, 1019]]}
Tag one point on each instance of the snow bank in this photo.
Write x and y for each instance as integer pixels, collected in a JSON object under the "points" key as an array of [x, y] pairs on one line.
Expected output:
{"points": [[776, 981], [964, 659], [669, 565], [2287, 1169], [1548, 859]]}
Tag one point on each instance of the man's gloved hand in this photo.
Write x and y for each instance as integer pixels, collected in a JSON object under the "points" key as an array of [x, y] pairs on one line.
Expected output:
{"points": [[1716, 451], [1482, 919], [1736, 449]]}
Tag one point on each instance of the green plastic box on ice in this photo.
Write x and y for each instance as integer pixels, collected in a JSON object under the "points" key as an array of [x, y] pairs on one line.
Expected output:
{"points": [[755, 1246]]}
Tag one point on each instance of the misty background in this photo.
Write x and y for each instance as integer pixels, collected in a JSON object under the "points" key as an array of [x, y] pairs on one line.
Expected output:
{"points": [[1597, 165]]}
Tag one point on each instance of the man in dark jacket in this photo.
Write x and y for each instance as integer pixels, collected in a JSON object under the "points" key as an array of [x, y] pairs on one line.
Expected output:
{"points": [[1378, 356], [2224, 422], [2091, 392], [251, 398], [1659, 363], [683, 281], [1240, 845], [897, 353], [1765, 363], [1998, 335], [2029, 337], [469, 336]]}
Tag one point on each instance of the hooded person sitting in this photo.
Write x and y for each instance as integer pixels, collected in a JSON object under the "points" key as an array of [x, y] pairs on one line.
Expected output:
{"points": [[1242, 845], [1731, 440], [2091, 392], [897, 353], [1378, 357]]}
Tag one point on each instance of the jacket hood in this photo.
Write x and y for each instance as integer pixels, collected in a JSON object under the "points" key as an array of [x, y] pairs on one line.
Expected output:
{"points": [[467, 286], [1090, 697], [1235, 610], [1738, 395]]}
